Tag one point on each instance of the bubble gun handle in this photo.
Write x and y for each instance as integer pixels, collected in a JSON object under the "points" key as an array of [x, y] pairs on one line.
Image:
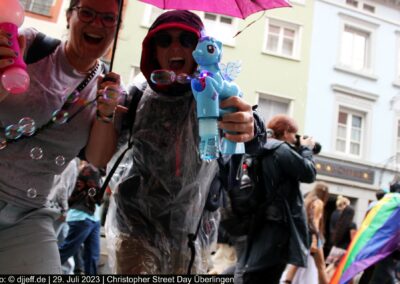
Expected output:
{"points": [[14, 78], [207, 112]]}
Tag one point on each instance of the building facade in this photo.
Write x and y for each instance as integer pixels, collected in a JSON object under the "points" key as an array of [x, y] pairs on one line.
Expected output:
{"points": [[353, 96]]}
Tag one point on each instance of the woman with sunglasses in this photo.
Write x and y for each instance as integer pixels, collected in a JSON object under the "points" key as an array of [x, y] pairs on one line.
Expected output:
{"points": [[64, 111], [170, 203]]}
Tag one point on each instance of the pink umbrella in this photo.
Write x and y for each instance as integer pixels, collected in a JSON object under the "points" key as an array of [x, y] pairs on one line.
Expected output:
{"points": [[233, 8]]}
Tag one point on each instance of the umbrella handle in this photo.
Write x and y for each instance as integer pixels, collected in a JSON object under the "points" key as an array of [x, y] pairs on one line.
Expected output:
{"points": [[121, 6]]}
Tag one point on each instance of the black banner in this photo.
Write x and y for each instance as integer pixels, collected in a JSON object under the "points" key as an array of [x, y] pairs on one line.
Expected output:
{"points": [[117, 279]]}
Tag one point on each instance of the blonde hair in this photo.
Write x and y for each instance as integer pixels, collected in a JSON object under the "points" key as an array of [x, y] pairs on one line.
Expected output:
{"points": [[342, 202]]}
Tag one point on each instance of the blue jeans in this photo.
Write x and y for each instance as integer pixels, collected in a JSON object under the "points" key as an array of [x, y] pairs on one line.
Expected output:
{"points": [[85, 232]]}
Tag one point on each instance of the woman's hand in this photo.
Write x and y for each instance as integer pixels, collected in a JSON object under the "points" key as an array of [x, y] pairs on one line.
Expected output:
{"points": [[7, 55], [240, 123]]}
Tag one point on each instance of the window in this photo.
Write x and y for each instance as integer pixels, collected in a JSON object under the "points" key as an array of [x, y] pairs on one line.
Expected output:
{"points": [[353, 117], [301, 2], [221, 27], [135, 70], [398, 63], [41, 7], [360, 4], [349, 133], [369, 8], [355, 48], [352, 3], [356, 53], [270, 106], [398, 142], [150, 15], [397, 79], [282, 38]]}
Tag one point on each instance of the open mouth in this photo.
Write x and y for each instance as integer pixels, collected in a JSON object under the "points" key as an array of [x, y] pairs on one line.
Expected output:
{"points": [[92, 38], [176, 63]]}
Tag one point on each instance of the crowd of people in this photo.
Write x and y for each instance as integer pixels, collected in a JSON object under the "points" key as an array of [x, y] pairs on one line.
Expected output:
{"points": [[164, 212]]}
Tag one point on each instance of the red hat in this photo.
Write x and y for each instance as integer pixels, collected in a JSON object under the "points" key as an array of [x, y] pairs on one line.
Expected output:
{"points": [[178, 19]]}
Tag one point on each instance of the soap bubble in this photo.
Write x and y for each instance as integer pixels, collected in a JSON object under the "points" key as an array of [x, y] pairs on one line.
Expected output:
{"points": [[36, 153], [60, 160], [60, 116], [13, 131], [27, 126], [3, 143], [31, 192], [73, 97], [111, 92], [163, 77], [92, 191], [183, 78]]}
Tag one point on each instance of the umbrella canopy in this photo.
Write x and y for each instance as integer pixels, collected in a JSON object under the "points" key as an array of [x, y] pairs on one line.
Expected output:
{"points": [[234, 8], [378, 237]]}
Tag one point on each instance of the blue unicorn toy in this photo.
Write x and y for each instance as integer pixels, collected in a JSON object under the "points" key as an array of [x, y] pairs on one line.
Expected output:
{"points": [[209, 88]]}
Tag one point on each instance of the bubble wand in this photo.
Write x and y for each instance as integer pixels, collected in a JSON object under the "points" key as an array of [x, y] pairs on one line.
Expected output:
{"points": [[14, 78]]}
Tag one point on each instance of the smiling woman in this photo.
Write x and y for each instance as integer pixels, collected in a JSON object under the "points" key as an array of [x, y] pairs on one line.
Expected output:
{"points": [[62, 84], [92, 27]]}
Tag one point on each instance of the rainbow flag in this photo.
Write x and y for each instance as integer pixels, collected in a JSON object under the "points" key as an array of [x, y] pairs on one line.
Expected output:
{"points": [[378, 236]]}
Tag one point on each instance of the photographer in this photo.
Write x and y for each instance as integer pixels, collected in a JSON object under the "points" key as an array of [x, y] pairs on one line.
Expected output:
{"points": [[279, 234]]}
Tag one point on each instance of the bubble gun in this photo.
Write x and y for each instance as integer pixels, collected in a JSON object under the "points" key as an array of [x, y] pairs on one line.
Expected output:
{"points": [[14, 78], [209, 88]]}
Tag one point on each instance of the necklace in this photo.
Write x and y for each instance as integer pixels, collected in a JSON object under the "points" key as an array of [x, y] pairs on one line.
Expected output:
{"points": [[61, 115]]}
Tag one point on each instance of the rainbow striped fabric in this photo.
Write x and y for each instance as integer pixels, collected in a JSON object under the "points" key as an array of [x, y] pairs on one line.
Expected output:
{"points": [[378, 236]]}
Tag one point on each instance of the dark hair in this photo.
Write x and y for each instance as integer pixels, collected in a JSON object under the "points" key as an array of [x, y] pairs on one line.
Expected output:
{"points": [[74, 3], [281, 123], [343, 224], [321, 190], [395, 186], [380, 194]]}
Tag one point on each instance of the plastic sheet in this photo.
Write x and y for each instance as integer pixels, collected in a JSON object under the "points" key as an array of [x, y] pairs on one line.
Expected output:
{"points": [[160, 203]]}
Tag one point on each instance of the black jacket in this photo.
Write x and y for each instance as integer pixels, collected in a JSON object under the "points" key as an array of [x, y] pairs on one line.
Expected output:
{"points": [[280, 234]]}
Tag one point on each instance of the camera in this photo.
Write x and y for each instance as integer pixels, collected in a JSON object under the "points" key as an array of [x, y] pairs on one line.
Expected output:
{"points": [[316, 149]]}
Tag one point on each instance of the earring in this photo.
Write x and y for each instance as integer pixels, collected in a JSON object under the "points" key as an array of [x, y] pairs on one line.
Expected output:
{"points": [[67, 26]]}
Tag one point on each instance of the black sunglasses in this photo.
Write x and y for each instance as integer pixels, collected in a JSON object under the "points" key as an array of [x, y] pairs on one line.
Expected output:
{"points": [[87, 15], [186, 39]]}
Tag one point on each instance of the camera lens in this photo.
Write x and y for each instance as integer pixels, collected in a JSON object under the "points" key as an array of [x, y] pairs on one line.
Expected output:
{"points": [[317, 147]]}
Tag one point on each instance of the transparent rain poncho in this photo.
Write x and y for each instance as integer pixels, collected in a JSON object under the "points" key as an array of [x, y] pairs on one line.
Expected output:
{"points": [[160, 200]]}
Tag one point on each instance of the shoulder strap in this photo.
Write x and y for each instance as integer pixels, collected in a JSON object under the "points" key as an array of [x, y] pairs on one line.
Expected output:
{"points": [[41, 47], [136, 95]]}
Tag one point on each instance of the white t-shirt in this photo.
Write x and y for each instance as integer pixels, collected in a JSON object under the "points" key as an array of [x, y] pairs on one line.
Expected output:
{"points": [[25, 181]]}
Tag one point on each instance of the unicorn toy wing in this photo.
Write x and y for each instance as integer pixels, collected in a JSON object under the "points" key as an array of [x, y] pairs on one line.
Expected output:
{"points": [[231, 70]]}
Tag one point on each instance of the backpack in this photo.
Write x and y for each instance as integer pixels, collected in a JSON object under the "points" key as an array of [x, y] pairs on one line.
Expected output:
{"points": [[41, 47], [246, 199]]}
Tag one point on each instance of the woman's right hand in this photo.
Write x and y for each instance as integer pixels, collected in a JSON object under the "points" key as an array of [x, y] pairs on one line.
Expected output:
{"points": [[7, 55]]}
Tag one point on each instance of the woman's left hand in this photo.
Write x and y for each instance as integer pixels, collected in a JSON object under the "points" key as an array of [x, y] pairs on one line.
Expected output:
{"points": [[108, 93], [240, 123]]}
